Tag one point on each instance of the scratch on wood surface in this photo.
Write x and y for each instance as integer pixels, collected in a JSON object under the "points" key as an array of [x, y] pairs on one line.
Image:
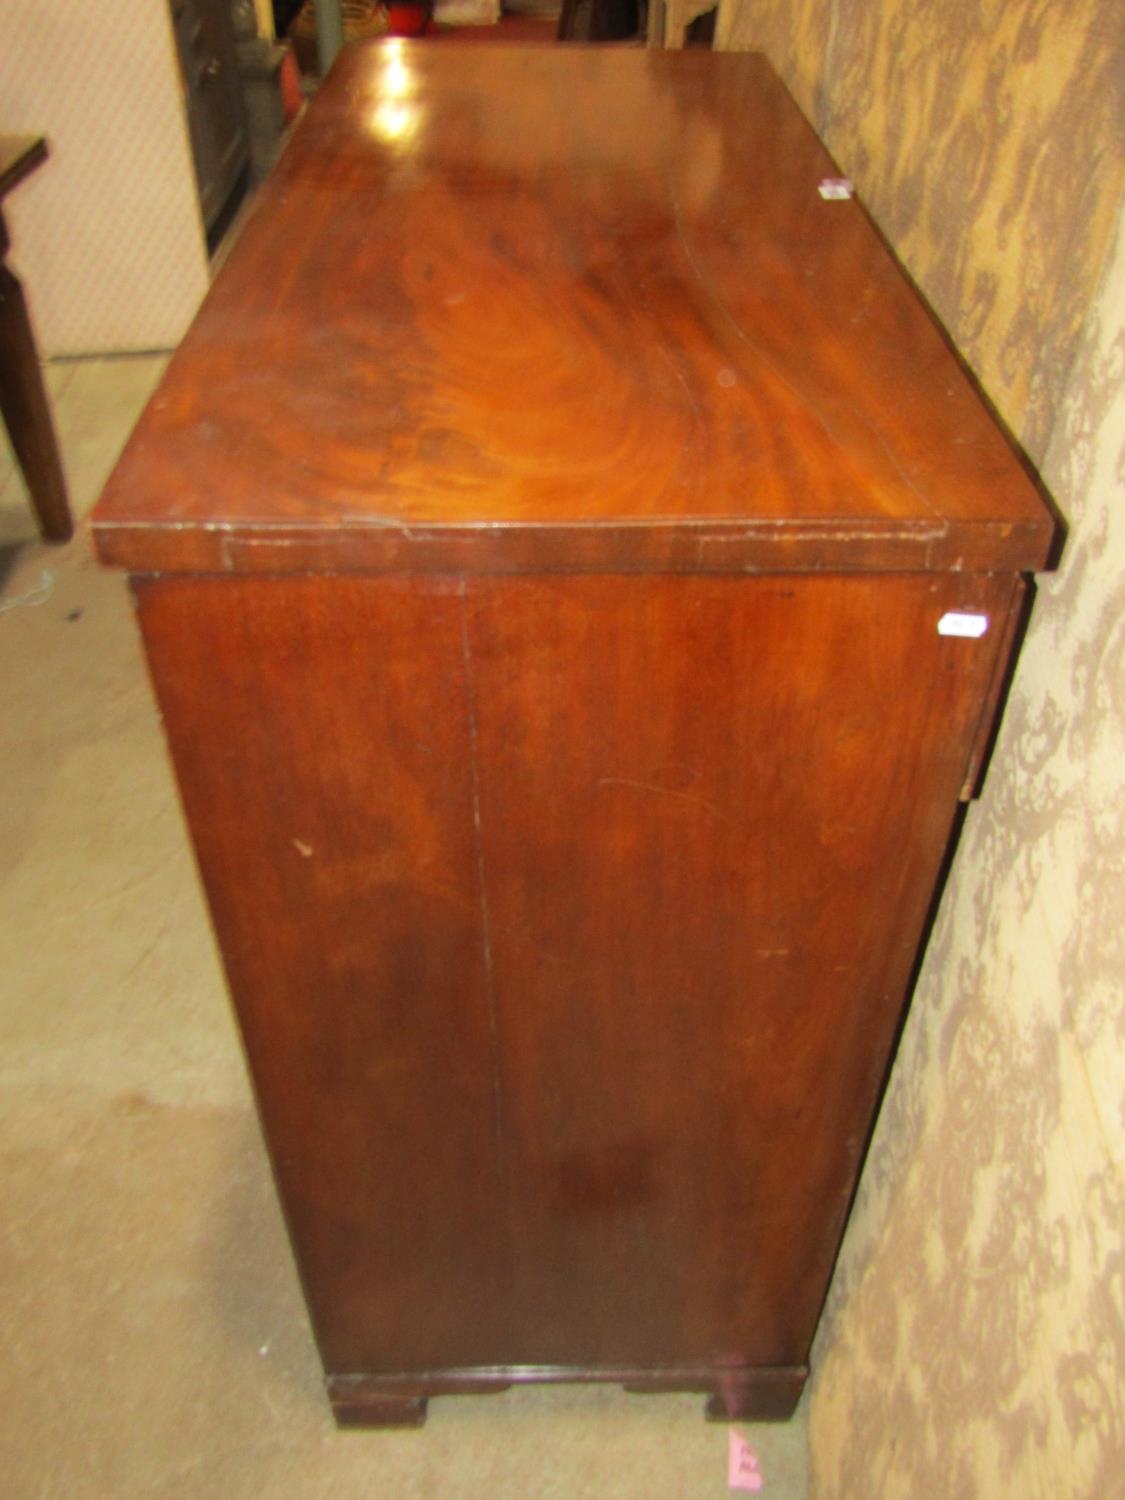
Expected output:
{"points": [[838, 531], [806, 399], [662, 791], [486, 929], [232, 544], [698, 423]]}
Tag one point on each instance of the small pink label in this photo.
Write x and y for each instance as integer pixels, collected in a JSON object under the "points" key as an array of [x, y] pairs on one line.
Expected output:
{"points": [[743, 1472]]}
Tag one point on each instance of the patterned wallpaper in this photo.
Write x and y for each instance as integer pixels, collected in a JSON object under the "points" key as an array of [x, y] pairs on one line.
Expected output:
{"points": [[976, 1330], [973, 1345], [106, 236], [985, 136]]}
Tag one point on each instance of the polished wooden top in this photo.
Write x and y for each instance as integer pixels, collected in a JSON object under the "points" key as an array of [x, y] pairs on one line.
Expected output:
{"points": [[563, 308]]}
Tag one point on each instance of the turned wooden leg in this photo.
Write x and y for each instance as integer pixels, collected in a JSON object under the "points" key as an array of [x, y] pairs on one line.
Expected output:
{"points": [[27, 414]]}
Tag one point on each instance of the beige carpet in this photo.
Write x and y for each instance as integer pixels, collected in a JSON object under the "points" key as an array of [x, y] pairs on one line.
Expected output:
{"points": [[154, 1340]]}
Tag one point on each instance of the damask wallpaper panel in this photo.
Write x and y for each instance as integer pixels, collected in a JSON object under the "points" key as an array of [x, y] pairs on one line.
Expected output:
{"points": [[984, 136], [795, 35], [106, 236], [975, 1334], [973, 1344], [982, 132]]}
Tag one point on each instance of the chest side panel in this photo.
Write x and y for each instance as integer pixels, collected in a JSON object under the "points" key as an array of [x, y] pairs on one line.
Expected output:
{"points": [[320, 734], [712, 811], [568, 923]]}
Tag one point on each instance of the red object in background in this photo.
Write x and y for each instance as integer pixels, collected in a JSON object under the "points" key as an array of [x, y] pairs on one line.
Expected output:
{"points": [[291, 96], [409, 19]]}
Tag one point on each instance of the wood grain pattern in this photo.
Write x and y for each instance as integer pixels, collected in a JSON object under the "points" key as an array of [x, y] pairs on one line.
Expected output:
{"points": [[563, 310], [318, 730], [711, 815], [568, 923], [569, 886]]}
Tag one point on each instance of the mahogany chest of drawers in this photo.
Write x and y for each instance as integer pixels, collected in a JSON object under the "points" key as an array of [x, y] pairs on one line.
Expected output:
{"points": [[578, 578]]}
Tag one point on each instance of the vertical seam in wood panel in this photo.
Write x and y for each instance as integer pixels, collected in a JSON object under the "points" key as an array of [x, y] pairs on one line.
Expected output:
{"points": [[482, 889]]}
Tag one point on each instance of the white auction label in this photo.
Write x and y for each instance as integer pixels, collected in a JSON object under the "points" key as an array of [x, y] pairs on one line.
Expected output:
{"points": [[956, 623]]}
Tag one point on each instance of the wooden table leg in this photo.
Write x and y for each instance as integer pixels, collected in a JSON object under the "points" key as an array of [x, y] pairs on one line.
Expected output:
{"points": [[27, 414]]}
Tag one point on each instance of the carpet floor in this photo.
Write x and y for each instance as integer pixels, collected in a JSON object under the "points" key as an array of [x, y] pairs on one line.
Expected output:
{"points": [[155, 1342]]}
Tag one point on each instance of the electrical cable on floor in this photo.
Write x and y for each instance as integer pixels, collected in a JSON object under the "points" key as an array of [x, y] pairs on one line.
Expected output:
{"points": [[37, 595]]}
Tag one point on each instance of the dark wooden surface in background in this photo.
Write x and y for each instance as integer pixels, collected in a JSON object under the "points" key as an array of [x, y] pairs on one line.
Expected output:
{"points": [[19, 156], [24, 402], [563, 308]]}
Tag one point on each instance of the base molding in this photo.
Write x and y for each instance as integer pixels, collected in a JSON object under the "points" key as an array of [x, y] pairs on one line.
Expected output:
{"points": [[762, 1393]]}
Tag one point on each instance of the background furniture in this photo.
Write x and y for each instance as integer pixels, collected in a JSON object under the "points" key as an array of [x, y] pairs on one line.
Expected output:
{"points": [[216, 123], [668, 20], [23, 397], [570, 778], [597, 20]]}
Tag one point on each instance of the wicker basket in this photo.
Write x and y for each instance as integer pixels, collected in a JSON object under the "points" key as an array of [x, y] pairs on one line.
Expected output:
{"points": [[363, 21]]}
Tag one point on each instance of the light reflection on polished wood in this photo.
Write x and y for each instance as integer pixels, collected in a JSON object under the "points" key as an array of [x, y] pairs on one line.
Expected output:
{"points": [[569, 881], [537, 307]]}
